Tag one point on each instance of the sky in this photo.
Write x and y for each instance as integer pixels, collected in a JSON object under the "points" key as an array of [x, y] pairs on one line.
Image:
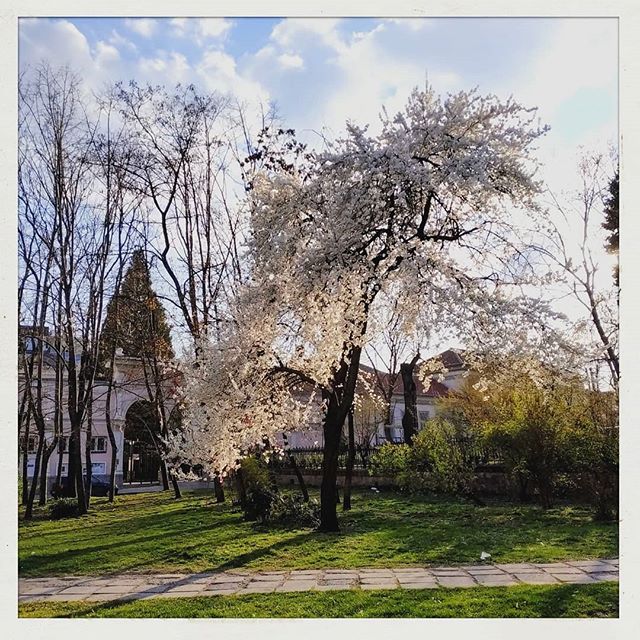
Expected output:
{"points": [[321, 72]]}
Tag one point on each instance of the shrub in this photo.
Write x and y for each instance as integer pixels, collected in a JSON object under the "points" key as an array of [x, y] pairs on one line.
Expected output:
{"points": [[258, 489], [594, 449], [63, 508], [389, 460], [291, 510]]}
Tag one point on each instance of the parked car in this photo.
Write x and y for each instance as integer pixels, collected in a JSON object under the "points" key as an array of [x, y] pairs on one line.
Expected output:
{"points": [[99, 488]]}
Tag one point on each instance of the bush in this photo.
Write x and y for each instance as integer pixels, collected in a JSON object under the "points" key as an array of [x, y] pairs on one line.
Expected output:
{"points": [[389, 460], [290, 509], [440, 460], [63, 508], [258, 489]]}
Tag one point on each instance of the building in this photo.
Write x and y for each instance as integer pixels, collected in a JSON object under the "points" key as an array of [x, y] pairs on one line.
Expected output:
{"points": [[137, 458], [134, 426]]}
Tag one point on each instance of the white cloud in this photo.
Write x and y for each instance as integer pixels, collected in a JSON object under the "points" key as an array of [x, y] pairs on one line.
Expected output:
{"points": [[412, 24], [179, 26], [142, 26], [121, 42], [218, 72], [168, 68], [291, 61], [374, 77], [213, 27], [299, 31], [581, 53]]}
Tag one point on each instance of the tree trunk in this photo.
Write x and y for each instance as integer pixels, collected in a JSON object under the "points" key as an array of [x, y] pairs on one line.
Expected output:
{"points": [[242, 492], [410, 417], [25, 460], [87, 449], [217, 487], [28, 514], [164, 475], [44, 469], [177, 494], [351, 458], [332, 428], [296, 469], [338, 402]]}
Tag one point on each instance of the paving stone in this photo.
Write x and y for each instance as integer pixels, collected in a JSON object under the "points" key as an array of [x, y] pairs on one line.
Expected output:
{"points": [[376, 572], [492, 580], [452, 573], [408, 569], [259, 587], [605, 575], [377, 579], [179, 594], [269, 578], [454, 581], [226, 578], [413, 579], [575, 571], [103, 597], [113, 589], [331, 587], [486, 571], [187, 587], [297, 585], [597, 567], [68, 598], [78, 590], [35, 590], [342, 584], [536, 578], [419, 585], [154, 588], [379, 586], [144, 586], [575, 579], [225, 588]]}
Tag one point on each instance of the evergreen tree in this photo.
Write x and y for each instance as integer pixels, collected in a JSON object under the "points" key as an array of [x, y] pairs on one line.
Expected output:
{"points": [[611, 220], [135, 320]]}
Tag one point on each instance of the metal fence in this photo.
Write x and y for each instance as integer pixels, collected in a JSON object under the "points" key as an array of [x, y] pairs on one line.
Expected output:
{"points": [[310, 458]]}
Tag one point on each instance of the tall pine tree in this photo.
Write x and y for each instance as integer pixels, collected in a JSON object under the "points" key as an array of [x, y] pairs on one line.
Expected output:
{"points": [[135, 320]]}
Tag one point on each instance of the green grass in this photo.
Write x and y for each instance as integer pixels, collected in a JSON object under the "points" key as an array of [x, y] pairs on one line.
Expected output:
{"points": [[563, 601], [154, 532]]}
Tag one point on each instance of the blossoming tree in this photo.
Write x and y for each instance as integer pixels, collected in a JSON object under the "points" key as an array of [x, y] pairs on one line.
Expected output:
{"points": [[424, 209]]}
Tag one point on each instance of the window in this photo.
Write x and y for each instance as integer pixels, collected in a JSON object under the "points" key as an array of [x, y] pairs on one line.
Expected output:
{"points": [[98, 444], [32, 444], [98, 468], [423, 416]]}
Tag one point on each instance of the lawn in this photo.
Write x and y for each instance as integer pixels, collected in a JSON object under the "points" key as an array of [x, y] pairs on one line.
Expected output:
{"points": [[562, 601], [154, 532]]}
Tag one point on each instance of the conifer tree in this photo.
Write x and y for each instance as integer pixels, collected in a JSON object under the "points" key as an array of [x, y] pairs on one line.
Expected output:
{"points": [[136, 321], [611, 220]]}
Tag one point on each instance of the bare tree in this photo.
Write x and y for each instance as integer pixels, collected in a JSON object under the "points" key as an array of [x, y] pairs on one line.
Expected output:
{"points": [[579, 263], [58, 138], [185, 168]]}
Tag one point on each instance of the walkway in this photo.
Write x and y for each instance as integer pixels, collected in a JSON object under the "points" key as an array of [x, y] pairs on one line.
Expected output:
{"points": [[139, 586]]}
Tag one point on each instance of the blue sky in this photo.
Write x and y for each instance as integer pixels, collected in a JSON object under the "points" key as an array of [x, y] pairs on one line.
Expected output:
{"points": [[322, 71]]}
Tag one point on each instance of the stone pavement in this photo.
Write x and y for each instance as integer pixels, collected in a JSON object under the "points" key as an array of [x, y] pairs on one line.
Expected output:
{"points": [[174, 585]]}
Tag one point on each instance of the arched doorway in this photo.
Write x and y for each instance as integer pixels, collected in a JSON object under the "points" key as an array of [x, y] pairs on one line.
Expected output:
{"points": [[141, 457]]}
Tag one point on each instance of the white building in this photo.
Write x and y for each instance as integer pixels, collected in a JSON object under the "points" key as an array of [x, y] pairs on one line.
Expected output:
{"points": [[136, 460]]}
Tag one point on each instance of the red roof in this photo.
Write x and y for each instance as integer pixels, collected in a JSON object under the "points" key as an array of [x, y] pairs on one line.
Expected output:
{"points": [[434, 389]]}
